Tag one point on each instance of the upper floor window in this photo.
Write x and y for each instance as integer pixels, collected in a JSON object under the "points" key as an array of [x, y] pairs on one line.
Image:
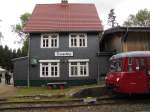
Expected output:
{"points": [[78, 40], [50, 41]]}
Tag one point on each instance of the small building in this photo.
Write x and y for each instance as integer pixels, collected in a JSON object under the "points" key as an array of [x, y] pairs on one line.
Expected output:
{"points": [[3, 77], [123, 39], [63, 46]]}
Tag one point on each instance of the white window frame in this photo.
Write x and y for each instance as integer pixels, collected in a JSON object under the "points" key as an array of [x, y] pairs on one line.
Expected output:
{"points": [[50, 40], [41, 70], [49, 68], [77, 40], [78, 61]]}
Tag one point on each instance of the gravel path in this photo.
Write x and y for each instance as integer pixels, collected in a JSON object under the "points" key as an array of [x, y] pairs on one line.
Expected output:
{"points": [[108, 108], [7, 90]]}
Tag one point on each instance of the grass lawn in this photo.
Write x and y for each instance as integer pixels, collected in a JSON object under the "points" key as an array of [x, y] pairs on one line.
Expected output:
{"points": [[30, 94], [24, 91]]}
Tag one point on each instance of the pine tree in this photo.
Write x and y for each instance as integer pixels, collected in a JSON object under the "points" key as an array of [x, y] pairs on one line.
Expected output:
{"points": [[112, 18]]}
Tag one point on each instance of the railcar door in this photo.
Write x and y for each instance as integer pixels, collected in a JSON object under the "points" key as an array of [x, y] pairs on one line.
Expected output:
{"points": [[148, 72], [140, 66]]}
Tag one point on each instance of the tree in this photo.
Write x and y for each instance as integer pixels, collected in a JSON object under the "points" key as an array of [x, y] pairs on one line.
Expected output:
{"points": [[24, 50], [24, 37], [112, 18], [142, 18], [6, 55], [1, 36], [17, 28]]}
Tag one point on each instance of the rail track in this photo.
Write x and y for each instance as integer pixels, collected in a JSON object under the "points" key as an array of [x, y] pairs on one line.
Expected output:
{"points": [[67, 103]]}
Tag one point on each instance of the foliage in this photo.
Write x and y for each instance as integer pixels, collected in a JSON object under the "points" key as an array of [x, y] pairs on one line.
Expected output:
{"points": [[142, 18], [25, 47], [1, 36], [6, 56], [112, 18], [18, 28]]}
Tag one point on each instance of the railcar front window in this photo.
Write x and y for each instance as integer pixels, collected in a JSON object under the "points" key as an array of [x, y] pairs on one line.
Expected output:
{"points": [[115, 66], [112, 66]]}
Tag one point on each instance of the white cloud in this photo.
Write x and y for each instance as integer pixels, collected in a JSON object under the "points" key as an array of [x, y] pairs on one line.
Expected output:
{"points": [[127, 7]]}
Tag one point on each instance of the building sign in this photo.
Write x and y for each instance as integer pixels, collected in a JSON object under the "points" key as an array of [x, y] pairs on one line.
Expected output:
{"points": [[63, 53]]}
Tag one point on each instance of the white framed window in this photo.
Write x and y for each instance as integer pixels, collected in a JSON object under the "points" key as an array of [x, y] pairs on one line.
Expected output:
{"points": [[44, 69], [77, 40], [49, 68], [50, 40], [79, 68]]}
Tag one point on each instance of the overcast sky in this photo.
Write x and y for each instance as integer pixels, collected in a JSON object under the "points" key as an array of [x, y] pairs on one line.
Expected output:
{"points": [[10, 11]]}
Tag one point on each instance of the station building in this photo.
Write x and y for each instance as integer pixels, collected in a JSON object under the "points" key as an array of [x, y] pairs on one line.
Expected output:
{"points": [[63, 46]]}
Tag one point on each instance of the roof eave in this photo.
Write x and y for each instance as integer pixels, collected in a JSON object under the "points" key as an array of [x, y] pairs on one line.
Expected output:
{"points": [[63, 31], [124, 29]]}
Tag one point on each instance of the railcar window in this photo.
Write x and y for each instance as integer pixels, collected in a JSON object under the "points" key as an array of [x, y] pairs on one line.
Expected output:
{"points": [[130, 65], [115, 66], [137, 64], [119, 65], [142, 64]]}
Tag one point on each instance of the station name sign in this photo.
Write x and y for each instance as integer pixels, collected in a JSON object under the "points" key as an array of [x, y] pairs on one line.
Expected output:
{"points": [[63, 53]]}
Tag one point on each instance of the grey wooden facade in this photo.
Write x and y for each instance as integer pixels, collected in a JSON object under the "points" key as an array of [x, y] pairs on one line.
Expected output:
{"points": [[36, 52]]}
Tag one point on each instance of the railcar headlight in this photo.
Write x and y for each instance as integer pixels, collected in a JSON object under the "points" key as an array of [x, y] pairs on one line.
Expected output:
{"points": [[117, 79]]}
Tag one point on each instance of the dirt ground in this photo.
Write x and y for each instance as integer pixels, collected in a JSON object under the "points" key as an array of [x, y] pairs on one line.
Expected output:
{"points": [[6, 90]]}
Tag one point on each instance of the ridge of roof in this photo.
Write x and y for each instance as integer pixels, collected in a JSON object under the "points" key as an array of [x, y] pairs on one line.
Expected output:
{"points": [[68, 4]]}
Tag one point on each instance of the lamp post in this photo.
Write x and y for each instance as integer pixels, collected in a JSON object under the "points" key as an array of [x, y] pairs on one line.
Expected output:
{"points": [[28, 75]]}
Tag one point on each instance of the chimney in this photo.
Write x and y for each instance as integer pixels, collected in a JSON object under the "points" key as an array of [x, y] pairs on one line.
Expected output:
{"points": [[64, 1]]}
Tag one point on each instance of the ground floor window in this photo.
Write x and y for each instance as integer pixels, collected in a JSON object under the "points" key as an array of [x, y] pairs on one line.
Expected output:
{"points": [[79, 68], [49, 68]]}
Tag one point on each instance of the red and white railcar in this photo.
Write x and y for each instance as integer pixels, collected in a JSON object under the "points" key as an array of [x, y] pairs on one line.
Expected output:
{"points": [[129, 72]]}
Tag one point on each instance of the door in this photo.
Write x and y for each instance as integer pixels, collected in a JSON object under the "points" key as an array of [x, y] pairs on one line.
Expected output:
{"points": [[148, 72], [141, 75]]}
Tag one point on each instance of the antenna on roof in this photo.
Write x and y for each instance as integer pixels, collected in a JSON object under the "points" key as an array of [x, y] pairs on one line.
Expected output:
{"points": [[64, 1]]}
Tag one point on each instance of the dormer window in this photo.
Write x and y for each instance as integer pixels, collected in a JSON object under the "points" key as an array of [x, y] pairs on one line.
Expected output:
{"points": [[49, 41], [64, 1], [78, 40]]}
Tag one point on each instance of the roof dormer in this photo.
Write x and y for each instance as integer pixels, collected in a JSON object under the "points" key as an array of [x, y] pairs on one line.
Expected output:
{"points": [[64, 1]]}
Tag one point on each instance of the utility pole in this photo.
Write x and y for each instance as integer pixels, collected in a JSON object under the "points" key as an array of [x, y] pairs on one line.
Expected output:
{"points": [[28, 75]]}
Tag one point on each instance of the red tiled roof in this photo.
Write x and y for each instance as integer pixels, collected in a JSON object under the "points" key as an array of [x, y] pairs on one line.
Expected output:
{"points": [[64, 17]]}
